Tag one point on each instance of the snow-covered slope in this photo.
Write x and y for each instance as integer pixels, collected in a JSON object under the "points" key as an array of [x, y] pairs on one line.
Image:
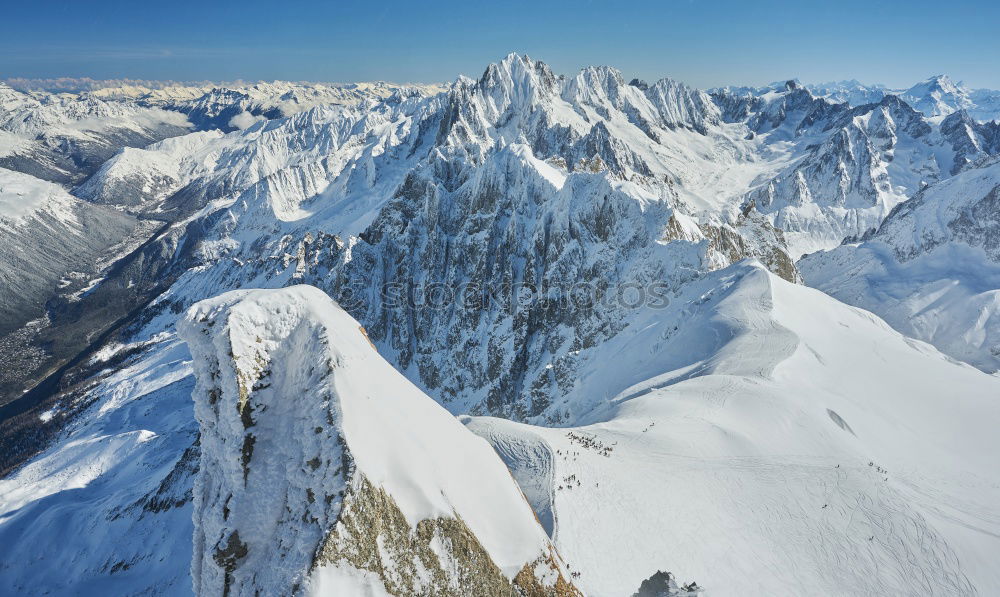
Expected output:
{"points": [[932, 269], [137, 178], [106, 508], [763, 438], [47, 238], [316, 453], [720, 428]]}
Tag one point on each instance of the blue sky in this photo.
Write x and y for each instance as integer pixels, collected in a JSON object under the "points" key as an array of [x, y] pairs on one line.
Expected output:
{"points": [[701, 43]]}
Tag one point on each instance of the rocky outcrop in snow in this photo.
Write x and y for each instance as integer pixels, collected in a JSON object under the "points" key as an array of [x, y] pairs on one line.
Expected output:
{"points": [[971, 141], [317, 454]]}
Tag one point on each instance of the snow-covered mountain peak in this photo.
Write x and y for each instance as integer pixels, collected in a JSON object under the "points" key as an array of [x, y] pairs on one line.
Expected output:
{"points": [[518, 80], [597, 85], [851, 91], [531, 85], [680, 105], [938, 96], [936, 84], [860, 160], [892, 112], [788, 107]]}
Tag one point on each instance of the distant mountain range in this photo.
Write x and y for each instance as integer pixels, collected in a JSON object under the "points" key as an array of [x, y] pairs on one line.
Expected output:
{"points": [[935, 96], [938, 95]]}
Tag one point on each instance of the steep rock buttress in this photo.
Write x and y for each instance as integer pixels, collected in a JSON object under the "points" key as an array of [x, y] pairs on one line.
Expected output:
{"points": [[324, 471]]}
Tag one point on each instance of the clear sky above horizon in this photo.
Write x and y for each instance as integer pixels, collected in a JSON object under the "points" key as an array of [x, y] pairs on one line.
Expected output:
{"points": [[704, 44]]}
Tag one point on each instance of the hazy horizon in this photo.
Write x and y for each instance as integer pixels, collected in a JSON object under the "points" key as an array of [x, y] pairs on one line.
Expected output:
{"points": [[704, 45], [84, 83]]}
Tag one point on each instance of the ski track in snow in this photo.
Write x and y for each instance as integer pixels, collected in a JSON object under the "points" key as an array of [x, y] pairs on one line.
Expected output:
{"points": [[775, 530]]}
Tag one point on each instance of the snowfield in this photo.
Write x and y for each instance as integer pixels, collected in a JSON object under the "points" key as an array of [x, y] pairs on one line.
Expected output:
{"points": [[813, 450]]}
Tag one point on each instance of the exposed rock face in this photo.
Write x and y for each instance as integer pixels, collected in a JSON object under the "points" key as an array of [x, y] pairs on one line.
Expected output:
{"points": [[301, 464], [752, 235], [531, 264], [373, 535], [971, 141], [509, 247]]}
